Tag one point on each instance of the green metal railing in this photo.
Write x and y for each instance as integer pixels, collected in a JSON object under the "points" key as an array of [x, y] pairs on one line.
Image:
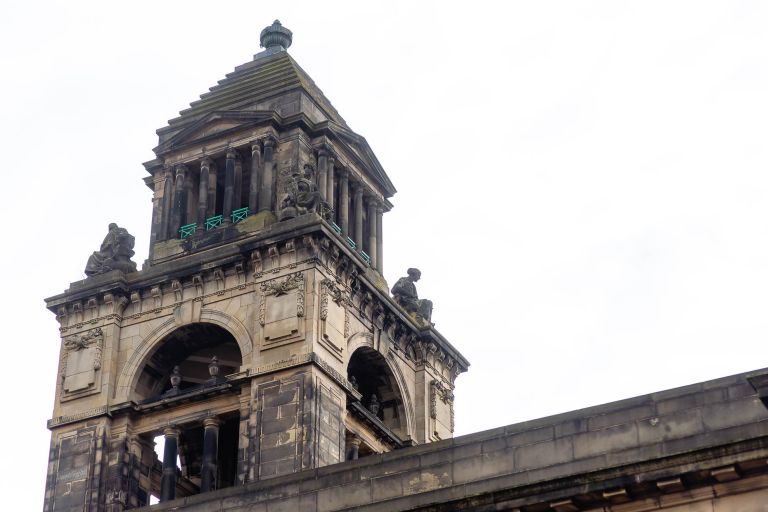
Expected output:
{"points": [[213, 222], [187, 230], [239, 214]]}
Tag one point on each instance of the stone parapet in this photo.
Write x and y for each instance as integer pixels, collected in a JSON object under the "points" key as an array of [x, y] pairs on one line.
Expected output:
{"points": [[682, 445]]}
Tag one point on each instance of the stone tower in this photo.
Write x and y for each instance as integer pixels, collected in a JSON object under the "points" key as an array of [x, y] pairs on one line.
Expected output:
{"points": [[259, 337]]}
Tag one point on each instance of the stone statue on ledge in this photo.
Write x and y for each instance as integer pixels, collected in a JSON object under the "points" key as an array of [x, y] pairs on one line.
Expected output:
{"points": [[302, 196], [405, 294], [114, 254]]}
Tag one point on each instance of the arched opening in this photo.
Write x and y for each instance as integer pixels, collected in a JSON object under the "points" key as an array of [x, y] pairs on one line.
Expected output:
{"points": [[189, 364], [381, 399], [191, 348]]}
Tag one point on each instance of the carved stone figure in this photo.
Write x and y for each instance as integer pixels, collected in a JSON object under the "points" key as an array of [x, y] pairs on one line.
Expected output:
{"points": [[114, 254], [302, 196], [353, 382], [405, 294], [175, 380], [213, 369], [374, 405]]}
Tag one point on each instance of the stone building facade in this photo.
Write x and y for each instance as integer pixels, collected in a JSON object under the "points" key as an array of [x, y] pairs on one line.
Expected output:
{"points": [[261, 341], [259, 338]]}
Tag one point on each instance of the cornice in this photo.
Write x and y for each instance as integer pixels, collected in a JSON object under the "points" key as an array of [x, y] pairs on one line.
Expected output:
{"points": [[246, 257]]}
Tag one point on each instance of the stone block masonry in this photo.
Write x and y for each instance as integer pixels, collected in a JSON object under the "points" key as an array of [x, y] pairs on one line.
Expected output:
{"points": [[644, 453]]}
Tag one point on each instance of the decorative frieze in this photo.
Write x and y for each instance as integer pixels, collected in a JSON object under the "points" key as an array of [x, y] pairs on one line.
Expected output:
{"points": [[157, 297], [274, 255], [240, 273], [77, 311], [136, 301], [256, 264], [177, 289], [218, 277]]}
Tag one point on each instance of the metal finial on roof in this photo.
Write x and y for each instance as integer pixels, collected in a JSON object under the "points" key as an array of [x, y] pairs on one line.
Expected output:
{"points": [[276, 36]]}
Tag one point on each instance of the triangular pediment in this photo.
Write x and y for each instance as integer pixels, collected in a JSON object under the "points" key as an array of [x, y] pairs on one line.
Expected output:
{"points": [[358, 146], [215, 124]]}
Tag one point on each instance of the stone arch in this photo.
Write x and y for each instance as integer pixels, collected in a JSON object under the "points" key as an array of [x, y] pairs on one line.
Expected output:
{"points": [[404, 393], [357, 340], [365, 339], [130, 373], [391, 374]]}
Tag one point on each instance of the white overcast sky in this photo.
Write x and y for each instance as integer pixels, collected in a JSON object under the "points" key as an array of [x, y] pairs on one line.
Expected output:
{"points": [[582, 184]]}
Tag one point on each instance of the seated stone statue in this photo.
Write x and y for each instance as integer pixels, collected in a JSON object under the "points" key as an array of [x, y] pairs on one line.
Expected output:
{"points": [[114, 254], [302, 195], [405, 294]]}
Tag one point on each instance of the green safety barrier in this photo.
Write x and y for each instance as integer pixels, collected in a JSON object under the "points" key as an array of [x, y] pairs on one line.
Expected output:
{"points": [[187, 230], [213, 222], [239, 214]]}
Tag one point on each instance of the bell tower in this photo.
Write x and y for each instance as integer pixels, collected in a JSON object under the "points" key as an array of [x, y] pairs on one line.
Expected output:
{"points": [[259, 337]]}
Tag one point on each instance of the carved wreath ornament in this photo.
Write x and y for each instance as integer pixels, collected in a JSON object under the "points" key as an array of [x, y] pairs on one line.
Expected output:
{"points": [[281, 287], [92, 339], [83, 341]]}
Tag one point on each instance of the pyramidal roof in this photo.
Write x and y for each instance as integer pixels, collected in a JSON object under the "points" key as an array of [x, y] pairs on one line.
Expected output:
{"points": [[272, 88], [271, 74]]}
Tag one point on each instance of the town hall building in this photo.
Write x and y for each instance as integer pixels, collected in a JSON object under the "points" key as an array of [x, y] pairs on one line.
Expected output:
{"points": [[262, 344]]}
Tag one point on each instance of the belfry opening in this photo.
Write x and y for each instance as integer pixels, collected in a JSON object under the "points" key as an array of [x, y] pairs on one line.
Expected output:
{"points": [[185, 356], [378, 421], [188, 369]]}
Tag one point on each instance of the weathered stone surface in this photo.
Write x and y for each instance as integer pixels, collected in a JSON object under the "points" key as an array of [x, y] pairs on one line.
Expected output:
{"points": [[560, 458]]}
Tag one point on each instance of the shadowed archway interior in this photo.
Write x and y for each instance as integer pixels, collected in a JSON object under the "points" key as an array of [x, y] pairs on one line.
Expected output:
{"points": [[190, 347], [374, 377]]}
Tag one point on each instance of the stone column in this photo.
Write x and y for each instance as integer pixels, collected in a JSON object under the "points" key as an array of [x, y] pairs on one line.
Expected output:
{"points": [[267, 184], [322, 172], [358, 189], [372, 251], [229, 183], [238, 199], [202, 195], [170, 452], [380, 239], [353, 446], [209, 469], [212, 178], [253, 191], [331, 181], [167, 205], [158, 202], [343, 205], [179, 201], [190, 193]]}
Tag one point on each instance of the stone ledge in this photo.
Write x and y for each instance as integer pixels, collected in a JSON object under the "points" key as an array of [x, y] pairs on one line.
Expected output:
{"points": [[528, 461]]}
